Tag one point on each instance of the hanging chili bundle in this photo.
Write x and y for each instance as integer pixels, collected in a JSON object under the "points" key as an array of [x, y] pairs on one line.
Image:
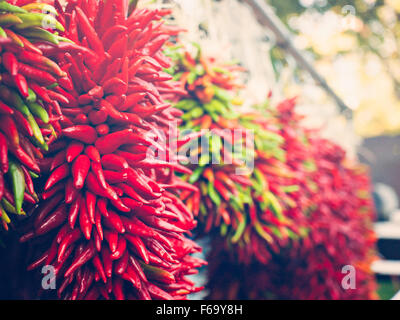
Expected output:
{"points": [[29, 111], [253, 208], [110, 208], [338, 221]]}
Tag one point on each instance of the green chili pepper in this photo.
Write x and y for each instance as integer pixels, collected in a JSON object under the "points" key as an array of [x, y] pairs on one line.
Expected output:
{"points": [[38, 111], [5, 6], [192, 77], [275, 205], [36, 130], [4, 215], [8, 206], [33, 175], [13, 98], [213, 194], [223, 229], [38, 33], [186, 104], [32, 96], [289, 189], [17, 179], [196, 112], [196, 174], [203, 209], [260, 184], [262, 233], [63, 39], [239, 231], [3, 34]]}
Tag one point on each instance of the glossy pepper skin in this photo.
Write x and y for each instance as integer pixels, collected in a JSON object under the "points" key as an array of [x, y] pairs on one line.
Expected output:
{"points": [[28, 117], [339, 223], [115, 196]]}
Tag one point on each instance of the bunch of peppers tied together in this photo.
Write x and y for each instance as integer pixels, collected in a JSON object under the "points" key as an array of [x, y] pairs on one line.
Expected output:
{"points": [[29, 94], [339, 224], [110, 220], [250, 188]]}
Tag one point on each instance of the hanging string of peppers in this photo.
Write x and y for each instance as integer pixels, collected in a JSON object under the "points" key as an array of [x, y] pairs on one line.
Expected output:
{"points": [[253, 209], [340, 233], [29, 111], [115, 225]]}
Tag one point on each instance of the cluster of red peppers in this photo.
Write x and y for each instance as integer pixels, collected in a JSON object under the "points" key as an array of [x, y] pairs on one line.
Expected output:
{"points": [[29, 109], [339, 223], [109, 219]]}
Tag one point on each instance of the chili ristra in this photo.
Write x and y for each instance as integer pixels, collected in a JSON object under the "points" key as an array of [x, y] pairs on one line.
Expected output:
{"points": [[244, 207], [105, 140], [27, 113], [338, 219]]}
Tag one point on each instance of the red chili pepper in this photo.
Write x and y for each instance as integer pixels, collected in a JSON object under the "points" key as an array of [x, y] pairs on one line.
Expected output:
{"points": [[74, 149], [158, 293], [70, 191], [92, 153], [52, 221], [136, 181], [39, 91], [132, 193], [114, 177], [83, 133], [8, 127], [24, 158], [3, 154], [117, 289], [115, 221], [28, 181], [79, 260], [58, 160], [98, 172], [114, 162], [107, 262], [72, 237], [74, 211], [112, 239], [102, 129], [10, 62], [120, 249], [91, 205], [57, 175], [58, 97], [1, 187], [80, 169], [40, 76], [94, 186], [98, 224], [38, 262], [135, 264], [84, 220], [52, 252], [99, 267], [110, 143], [86, 27], [5, 109], [23, 123]]}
